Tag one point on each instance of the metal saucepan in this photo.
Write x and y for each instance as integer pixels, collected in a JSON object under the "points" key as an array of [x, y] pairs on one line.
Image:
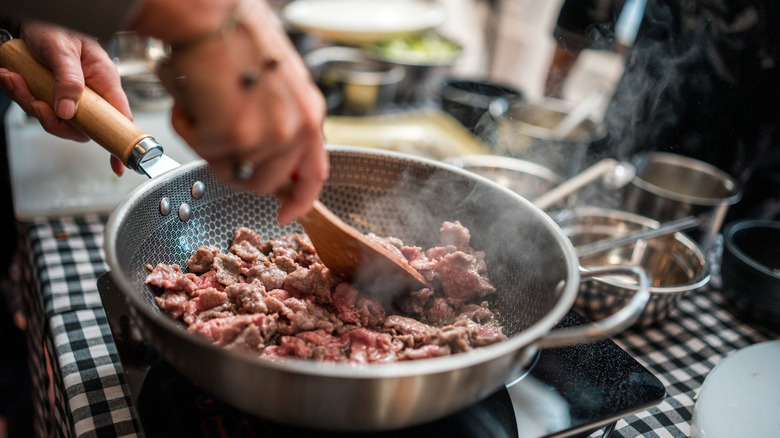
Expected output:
{"points": [[526, 130], [670, 186], [530, 261]]}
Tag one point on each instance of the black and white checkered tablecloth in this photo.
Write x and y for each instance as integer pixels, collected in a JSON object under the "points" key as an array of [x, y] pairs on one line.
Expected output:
{"points": [[68, 259]]}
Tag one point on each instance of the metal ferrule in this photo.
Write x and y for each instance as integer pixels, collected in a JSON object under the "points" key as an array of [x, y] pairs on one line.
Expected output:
{"points": [[143, 151]]}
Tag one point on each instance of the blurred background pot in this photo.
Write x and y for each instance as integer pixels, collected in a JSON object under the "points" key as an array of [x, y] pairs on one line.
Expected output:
{"points": [[526, 130], [750, 270], [670, 186], [352, 83], [136, 57], [675, 264], [529, 180]]}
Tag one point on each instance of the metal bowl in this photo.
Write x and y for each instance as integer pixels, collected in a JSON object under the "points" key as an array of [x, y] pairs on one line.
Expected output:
{"points": [[468, 100], [353, 84], [525, 178], [675, 263], [750, 270]]}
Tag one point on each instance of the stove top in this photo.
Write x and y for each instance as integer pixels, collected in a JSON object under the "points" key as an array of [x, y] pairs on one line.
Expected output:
{"points": [[567, 392]]}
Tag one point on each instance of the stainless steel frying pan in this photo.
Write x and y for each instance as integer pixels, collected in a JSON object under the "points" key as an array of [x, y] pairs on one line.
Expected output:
{"points": [[531, 263]]}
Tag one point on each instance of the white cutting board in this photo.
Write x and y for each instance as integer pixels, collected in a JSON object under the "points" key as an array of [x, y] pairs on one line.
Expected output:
{"points": [[57, 177]]}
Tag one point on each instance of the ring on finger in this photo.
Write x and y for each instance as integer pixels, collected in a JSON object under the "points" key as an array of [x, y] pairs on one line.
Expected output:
{"points": [[242, 170]]}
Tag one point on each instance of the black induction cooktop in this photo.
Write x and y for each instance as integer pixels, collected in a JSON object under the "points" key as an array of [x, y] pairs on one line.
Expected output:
{"points": [[567, 392]]}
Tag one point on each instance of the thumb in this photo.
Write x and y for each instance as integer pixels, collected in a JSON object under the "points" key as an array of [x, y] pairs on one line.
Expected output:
{"points": [[68, 84]]}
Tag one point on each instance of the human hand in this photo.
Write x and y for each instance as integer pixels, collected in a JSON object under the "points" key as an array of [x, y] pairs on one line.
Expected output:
{"points": [[272, 124], [76, 60]]}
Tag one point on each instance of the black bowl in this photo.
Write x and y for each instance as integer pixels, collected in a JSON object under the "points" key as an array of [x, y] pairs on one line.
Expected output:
{"points": [[468, 100], [750, 270]]}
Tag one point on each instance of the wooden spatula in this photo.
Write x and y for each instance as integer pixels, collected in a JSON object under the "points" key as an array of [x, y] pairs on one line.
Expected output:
{"points": [[343, 249], [356, 257]]}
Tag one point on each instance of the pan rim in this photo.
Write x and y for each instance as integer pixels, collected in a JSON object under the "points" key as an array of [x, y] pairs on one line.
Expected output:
{"points": [[514, 346]]}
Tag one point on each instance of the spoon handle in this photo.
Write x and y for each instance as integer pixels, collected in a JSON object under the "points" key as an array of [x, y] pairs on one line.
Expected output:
{"points": [[575, 183]]}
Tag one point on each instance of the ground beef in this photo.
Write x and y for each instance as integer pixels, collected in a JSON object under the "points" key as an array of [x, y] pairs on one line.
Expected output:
{"points": [[276, 297]]}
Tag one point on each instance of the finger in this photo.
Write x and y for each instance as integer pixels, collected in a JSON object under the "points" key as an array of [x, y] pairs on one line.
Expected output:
{"points": [[15, 88], [68, 81], [102, 76], [54, 125], [117, 166], [311, 173]]}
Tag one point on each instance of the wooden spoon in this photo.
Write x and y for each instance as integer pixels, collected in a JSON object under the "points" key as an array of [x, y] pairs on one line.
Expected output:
{"points": [[342, 248], [355, 256]]}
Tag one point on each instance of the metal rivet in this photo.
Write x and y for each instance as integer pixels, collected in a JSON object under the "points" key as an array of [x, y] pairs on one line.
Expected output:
{"points": [[185, 213], [165, 206], [198, 189]]}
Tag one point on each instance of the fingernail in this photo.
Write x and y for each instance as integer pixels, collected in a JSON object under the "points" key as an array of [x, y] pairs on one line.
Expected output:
{"points": [[65, 109]]}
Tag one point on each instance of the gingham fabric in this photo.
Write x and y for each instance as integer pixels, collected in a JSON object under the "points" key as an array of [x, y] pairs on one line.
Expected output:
{"points": [[67, 258]]}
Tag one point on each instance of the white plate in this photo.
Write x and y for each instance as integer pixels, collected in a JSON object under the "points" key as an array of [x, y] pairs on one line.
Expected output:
{"points": [[741, 395], [363, 20]]}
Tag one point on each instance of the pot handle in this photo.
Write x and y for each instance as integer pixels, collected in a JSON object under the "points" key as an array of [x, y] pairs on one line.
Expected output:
{"points": [[610, 325]]}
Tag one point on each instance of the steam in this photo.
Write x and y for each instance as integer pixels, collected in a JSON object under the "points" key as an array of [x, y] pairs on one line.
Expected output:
{"points": [[651, 85], [671, 55]]}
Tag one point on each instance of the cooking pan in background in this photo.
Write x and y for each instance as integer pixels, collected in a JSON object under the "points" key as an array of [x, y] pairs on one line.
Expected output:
{"points": [[530, 261], [526, 130], [669, 186]]}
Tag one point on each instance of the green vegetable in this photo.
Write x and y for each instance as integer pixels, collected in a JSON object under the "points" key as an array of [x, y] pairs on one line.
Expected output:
{"points": [[424, 48]]}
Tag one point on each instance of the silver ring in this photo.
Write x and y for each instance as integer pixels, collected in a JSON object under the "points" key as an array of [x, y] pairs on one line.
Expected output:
{"points": [[243, 170]]}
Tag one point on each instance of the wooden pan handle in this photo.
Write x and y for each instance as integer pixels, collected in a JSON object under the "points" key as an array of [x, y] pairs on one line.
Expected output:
{"points": [[94, 115]]}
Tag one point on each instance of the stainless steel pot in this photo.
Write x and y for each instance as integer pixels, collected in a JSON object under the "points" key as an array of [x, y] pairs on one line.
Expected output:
{"points": [[353, 83], [526, 130], [531, 263], [670, 186], [528, 179]]}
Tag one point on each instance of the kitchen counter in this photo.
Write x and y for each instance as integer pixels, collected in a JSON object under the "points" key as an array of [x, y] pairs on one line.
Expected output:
{"points": [[89, 396]]}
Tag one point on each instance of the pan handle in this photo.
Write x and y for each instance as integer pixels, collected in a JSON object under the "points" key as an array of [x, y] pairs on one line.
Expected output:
{"points": [[610, 325], [95, 117]]}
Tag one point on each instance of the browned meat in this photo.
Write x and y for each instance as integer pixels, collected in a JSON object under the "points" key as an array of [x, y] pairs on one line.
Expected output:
{"points": [[352, 308], [247, 297], [315, 344], [171, 278], [278, 299], [315, 280], [452, 233], [227, 268], [239, 330], [460, 278], [173, 302], [202, 260], [368, 346], [268, 273], [248, 236], [439, 311], [413, 303], [411, 332]]}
